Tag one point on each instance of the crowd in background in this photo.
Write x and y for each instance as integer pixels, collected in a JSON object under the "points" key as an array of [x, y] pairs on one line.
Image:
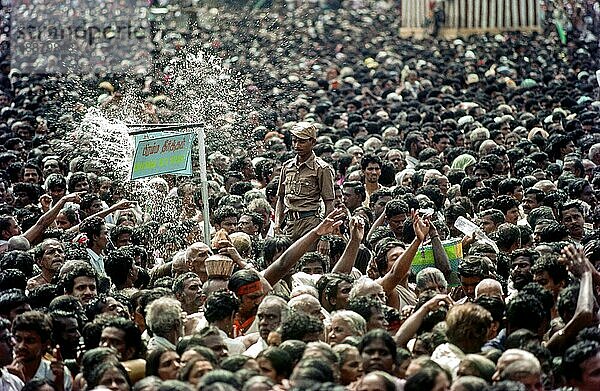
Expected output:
{"points": [[361, 154]]}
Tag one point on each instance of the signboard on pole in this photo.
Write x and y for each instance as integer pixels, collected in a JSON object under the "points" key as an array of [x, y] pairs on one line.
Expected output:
{"points": [[164, 154]]}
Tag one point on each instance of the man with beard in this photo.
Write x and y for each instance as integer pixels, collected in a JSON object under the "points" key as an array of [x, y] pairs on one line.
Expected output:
{"points": [[49, 256], [32, 331], [532, 199], [246, 284], [571, 216], [187, 289], [371, 169], [271, 313], [521, 262], [414, 143]]}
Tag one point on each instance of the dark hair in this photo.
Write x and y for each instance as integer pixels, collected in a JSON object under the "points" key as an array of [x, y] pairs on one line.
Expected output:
{"points": [[87, 200], [396, 207], [218, 376], [508, 185], [273, 245], [309, 371], [294, 348], [224, 212], [12, 278], [313, 257], [153, 360], [92, 227], [505, 202], [567, 301], [83, 270], [358, 187], [99, 371], [234, 363], [76, 178], [17, 259], [550, 263], [368, 159], [298, 325], [474, 266], [36, 384], [507, 235], [35, 321], [495, 215], [119, 230], [241, 278], [10, 299], [525, 311], [494, 305], [382, 335], [279, 359], [220, 305], [118, 265], [133, 336], [570, 205], [576, 355], [424, 380], [365, 306], [327, 285], [56, 180]]}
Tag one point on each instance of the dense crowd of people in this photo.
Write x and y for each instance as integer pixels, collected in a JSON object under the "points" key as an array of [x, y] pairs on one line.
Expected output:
{"points": [[391, 214]]}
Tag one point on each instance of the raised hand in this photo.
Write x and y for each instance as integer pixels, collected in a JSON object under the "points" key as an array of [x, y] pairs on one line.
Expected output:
{"points": [[357, 228], [575, 259], [45, 202], [331, 222], [231, 252], [58, 369], [74, 197], [439, 300], [421, 226]]}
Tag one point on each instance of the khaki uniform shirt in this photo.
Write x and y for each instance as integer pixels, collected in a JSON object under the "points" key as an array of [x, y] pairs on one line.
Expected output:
{"points": [[304, 185]]}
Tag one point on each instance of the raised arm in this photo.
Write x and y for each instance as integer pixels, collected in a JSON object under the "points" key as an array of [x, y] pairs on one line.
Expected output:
{"points": [[278, 269], [348, 258], [410, 327], [34, 233], [401, 267], [377, 223], [121, 205], [584, 312], [439, 253]]}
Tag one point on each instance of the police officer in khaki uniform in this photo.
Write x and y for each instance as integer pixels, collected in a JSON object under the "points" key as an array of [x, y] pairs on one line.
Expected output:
{"points": [[304, 181]]}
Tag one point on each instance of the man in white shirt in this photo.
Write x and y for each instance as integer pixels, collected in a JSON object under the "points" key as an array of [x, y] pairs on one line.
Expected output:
{"points": [[97, 239], [32, 332], [271, 312]]}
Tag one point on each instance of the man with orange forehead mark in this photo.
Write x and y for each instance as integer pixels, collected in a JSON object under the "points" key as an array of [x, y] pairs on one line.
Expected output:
{"points": [[248, 287]]}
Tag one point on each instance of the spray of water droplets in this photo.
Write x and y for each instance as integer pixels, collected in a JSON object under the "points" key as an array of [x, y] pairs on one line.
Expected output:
{"points": [[200, 88]]}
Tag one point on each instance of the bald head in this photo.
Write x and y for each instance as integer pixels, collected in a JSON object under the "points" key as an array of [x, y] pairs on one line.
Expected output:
{"points": [[489, 287]]}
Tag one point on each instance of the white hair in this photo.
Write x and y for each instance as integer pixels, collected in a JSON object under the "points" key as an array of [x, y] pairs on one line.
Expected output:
{"points": [[488, 284], [164, 315], [356, 322]]}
